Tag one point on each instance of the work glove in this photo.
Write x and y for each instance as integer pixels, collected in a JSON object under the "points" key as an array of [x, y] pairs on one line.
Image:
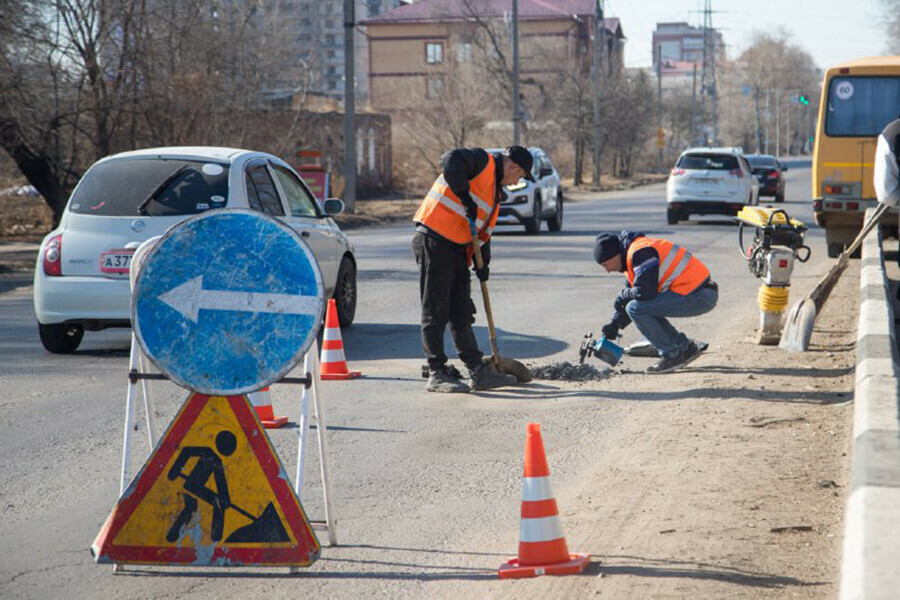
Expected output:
{"points": [[610, 331], [483, 273], [471, 208], [621, 302]]}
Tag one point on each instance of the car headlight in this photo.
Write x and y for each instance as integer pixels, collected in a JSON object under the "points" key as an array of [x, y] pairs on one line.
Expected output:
{"points": [[518, 186]]}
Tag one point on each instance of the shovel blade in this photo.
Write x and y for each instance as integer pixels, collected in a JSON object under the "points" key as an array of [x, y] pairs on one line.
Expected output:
{"points": [[798, 327], [510, 366]]}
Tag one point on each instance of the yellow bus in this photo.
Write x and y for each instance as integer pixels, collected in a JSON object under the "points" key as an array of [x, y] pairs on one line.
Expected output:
{"points": [[859, 98]]}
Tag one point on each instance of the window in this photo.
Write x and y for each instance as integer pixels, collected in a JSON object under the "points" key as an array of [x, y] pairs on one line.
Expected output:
{"points": [[435, 87], [299, 199], [713, 162], [158, 187], [434, 53], [861, 106], [261, 192], [464, 52]]}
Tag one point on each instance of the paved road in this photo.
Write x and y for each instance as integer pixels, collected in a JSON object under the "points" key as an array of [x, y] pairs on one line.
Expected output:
{"points": [[427, 486]]}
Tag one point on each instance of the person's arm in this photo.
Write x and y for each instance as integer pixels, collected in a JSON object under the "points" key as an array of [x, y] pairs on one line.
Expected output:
{"points": [[182, 459], [460, 166], [646, 282], [886, 177]]}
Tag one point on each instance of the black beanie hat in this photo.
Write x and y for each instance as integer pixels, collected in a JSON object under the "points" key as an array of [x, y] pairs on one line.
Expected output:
{"points": [[606, 246]]}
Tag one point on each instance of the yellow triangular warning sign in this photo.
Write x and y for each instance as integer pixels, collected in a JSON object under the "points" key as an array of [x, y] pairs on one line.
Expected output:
{"points": [[213, 492]]}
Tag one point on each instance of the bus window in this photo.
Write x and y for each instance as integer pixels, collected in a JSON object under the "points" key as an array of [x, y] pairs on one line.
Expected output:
{"points": [[861, 106]]}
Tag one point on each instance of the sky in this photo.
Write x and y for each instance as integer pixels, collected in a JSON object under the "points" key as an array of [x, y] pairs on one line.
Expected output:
{"points": [[831, 31]]}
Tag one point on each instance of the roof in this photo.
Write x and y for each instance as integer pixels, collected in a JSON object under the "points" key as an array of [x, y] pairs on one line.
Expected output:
{"points": [[874, 61], [451, 10], [201, 152]]}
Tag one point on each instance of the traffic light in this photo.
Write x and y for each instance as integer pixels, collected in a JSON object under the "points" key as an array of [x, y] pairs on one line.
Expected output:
{"points": [[804, 99]]}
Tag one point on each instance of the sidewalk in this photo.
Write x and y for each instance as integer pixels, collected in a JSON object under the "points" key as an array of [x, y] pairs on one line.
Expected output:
{"points": [[17, 261]]}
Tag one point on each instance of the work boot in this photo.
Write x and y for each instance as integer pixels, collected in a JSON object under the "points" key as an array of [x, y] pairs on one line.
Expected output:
{"points": [[486, 378], [442, 380], [670, 363]]}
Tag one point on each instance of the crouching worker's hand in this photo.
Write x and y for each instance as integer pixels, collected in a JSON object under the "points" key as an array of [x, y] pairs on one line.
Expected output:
{"points": [[610, 331]]}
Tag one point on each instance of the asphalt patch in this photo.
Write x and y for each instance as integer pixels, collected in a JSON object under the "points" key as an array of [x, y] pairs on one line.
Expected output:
{"points": [[566, 371]]}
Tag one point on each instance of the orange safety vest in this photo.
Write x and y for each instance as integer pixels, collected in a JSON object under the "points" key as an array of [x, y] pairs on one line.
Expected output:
{"points": [[679, 270], [444, 213]]}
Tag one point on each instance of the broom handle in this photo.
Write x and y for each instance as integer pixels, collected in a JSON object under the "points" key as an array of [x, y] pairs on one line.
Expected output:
{"points": [[882, 208], [487, 302], [822, 290]]}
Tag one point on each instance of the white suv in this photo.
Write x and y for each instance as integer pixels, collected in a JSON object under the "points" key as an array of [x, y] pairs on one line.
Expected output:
{"points": [[81, 276], [530, 203], [710, 181]]}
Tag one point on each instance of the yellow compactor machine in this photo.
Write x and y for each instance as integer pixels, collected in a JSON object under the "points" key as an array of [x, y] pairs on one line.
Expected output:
{"points": [[777, 244]]}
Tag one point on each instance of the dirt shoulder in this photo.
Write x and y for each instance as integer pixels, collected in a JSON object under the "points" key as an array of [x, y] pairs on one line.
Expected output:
{"points": [[732, 481]]}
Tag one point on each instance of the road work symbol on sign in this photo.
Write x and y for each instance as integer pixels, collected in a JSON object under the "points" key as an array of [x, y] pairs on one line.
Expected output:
{"points": [[228, 301], [213, 492]]}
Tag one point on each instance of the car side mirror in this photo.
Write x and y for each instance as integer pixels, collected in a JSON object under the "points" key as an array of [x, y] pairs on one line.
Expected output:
{"points": [[333, 207], [546, 172]]}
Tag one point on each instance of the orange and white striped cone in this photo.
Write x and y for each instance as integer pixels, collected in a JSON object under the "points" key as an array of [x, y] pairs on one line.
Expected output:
{"points": [[542, 545], [262, 404], [334, 365]]}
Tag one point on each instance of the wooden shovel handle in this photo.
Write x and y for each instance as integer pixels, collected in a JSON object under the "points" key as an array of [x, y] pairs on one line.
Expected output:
{"points": [[476, 250]]}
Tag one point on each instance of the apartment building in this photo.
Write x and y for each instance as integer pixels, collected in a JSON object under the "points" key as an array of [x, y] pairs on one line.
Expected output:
{"points": [[417, 49]]}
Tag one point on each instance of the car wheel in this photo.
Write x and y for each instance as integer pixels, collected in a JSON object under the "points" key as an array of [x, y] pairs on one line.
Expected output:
{"points": [[345, 292], [61, 338], [533, 224], [835, 249], [555, 223], [672, 216], [779, 197]]}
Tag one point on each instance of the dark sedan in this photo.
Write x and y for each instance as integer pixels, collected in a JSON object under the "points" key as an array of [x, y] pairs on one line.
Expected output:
{"points": [[769, 171]]}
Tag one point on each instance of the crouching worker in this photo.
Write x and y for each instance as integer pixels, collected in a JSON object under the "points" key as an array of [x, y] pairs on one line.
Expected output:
{"points": [[664, 280], [467, 193]]}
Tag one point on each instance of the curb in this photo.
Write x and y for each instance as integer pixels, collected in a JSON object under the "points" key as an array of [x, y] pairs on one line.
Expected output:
{"points": [[872, 525]]}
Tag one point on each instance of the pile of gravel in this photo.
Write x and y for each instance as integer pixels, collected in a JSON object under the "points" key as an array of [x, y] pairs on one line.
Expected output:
{"points": [[566, 371]]}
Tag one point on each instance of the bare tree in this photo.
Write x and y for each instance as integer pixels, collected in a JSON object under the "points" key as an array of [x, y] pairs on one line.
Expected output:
{"points": [[80, 79], [892, 25]]}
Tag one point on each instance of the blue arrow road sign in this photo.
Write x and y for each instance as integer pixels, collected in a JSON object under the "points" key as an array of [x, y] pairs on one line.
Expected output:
{"points": [[227, 302]]}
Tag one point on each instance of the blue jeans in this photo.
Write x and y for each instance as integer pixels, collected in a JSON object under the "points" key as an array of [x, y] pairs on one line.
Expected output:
{"points": [[649, 317]]}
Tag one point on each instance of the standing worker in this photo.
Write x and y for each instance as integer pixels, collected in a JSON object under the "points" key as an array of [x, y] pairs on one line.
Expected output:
{"points": [[469, 190], [664, 280], [887, 167]]}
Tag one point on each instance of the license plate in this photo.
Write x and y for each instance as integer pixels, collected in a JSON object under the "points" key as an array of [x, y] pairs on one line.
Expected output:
{"points": [[705, 181], [117, 261]]}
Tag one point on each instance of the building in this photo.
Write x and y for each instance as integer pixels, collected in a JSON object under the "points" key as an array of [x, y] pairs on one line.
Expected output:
{"points": [[681, 48], [416, 49], [317, 29]]}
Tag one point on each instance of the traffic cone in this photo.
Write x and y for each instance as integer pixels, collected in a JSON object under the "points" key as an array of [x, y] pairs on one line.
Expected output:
{"points": [[334, 365], [542, 546], [262, 404]]}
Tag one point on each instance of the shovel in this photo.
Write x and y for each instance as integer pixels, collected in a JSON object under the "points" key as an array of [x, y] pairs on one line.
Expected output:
{"points": [[508, 366], [802, 316]]}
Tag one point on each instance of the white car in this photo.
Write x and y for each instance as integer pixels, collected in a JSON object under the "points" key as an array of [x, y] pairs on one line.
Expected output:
{"points": [[710, 181], [81, 277], [530, 203]]}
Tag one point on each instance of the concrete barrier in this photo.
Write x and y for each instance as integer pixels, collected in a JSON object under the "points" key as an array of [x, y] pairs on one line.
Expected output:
{"points": [[871, 564]]}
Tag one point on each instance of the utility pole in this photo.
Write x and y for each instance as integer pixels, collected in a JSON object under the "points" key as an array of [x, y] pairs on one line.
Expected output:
{"points": [[659, 153], [708, 91], [787, 127], [598, 49], [693, 141], [777, 122], [758, 127], [768, 121], [349, 106], [517, 107]]}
